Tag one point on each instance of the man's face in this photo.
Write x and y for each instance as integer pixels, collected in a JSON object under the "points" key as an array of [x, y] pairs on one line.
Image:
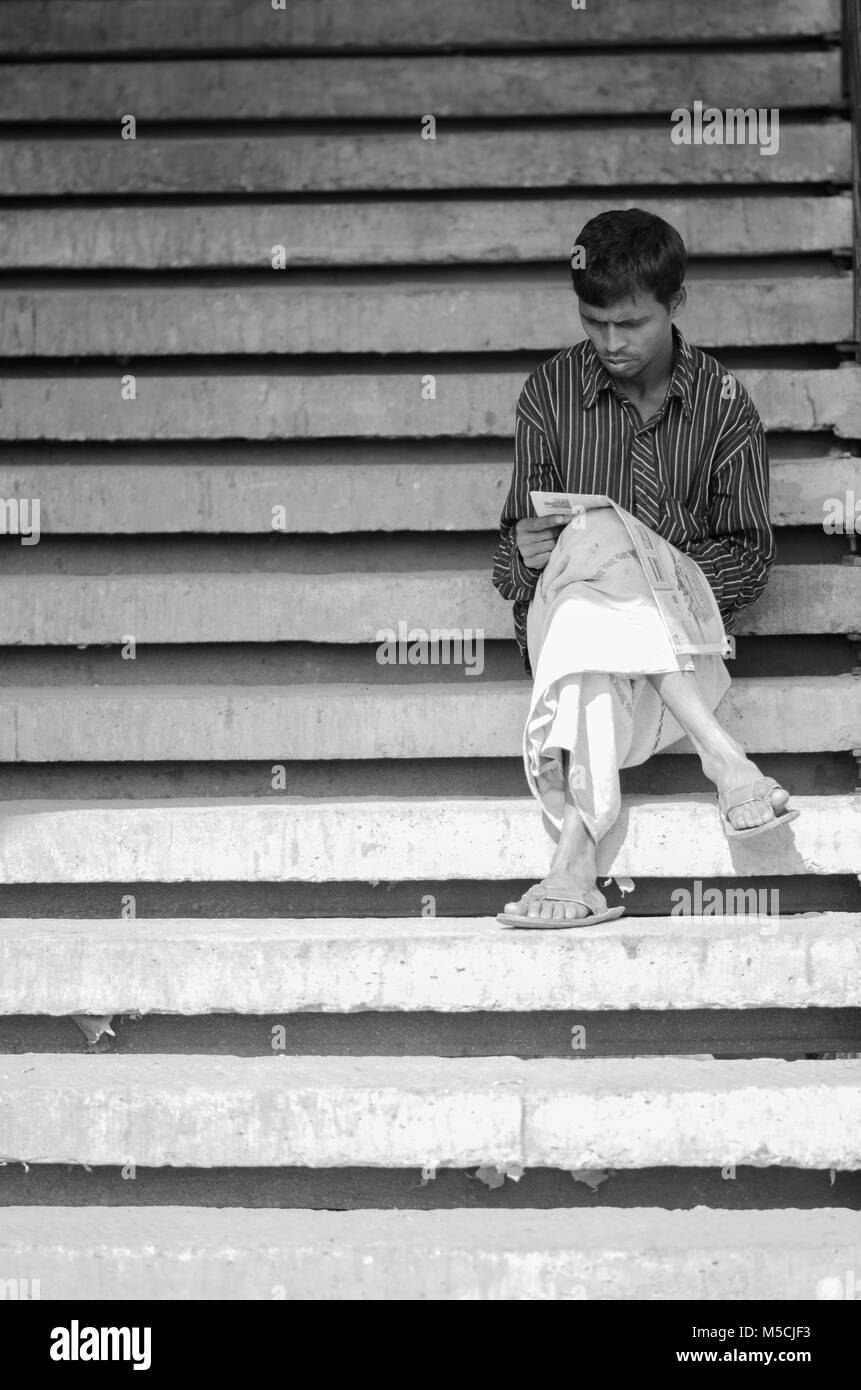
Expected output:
{"points": [[631, 333]]}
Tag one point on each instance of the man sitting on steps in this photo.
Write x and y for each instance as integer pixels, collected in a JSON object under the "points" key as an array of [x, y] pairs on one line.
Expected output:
{"points": [[635, 413]]}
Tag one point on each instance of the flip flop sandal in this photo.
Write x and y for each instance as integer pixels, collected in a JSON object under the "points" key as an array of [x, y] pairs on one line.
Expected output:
{"points": [[589, 897], [759, 790]]}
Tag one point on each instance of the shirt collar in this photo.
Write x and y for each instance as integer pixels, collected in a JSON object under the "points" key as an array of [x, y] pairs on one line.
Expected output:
{"points": [[595, 376]]}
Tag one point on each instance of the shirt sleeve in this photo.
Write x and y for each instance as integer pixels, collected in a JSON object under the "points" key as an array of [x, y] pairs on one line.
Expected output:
{"points": [[533, 471], [740, 549]]}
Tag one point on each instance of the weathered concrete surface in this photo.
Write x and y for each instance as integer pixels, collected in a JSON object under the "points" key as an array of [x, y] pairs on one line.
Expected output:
{"points": [[401, 316], [623, 155], [545, 84], [125, 491], [361, 840], [197, 966], [108, 1253], [452, 719], [61, 609], [376, 404], [96, 26], [395, 1112], [165, 236]]}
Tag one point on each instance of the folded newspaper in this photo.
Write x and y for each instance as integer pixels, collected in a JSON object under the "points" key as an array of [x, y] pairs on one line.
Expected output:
{"points": [[682, 595]]}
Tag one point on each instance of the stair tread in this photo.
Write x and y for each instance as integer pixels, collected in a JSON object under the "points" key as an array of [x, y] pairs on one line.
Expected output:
{"points": [[195, 966], [377, 232], [110, 1252], [67, 27], [348, 489], [315, 87], [632, 1228], [394, 1112], [306, 403], [290, 839], [333, 720], [188, 1076], [398, 316], [632, 154], [343, 606]]}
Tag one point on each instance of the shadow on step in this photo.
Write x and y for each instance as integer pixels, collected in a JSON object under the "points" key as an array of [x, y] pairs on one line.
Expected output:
{"points": [[348, 1188], [450, 897], [789, 1033]]}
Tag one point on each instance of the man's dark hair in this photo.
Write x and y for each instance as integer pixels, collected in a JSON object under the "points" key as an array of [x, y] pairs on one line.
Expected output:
{"points": [[626, 251]]}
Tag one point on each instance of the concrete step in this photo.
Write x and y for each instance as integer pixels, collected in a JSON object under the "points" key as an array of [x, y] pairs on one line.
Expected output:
{"points": [[61, 609], [308, 403], [403, 1112], [175, 723], [67, 27], [400, 316], [810, 152], [294, 840], [159, 236], [199, 966], [454, 85], [133, 489], [144, 1253]]}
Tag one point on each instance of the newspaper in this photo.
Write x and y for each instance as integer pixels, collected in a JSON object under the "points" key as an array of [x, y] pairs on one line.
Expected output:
{"points": [[682, 595]]}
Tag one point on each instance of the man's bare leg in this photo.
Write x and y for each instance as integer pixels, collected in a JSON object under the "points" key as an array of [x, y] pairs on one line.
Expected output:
{"points": [[572, 868], [723, 759]]}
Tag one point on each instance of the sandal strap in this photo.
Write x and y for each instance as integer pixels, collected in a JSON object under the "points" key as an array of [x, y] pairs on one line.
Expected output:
{"points": [[760, 790], [591, 898]]}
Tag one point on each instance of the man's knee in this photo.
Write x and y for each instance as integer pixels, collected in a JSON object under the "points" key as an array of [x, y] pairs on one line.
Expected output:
{"points": [[598, 527]]}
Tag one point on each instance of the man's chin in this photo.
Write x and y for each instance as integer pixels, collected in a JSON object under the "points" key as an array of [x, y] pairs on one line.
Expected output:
{"points": [[620, 368]]}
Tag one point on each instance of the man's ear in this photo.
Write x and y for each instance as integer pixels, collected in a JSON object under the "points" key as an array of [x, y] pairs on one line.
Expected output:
{"points": [[678, 301]]}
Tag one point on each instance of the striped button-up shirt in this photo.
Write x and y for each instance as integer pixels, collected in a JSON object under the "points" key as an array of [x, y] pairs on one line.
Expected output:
{"points": [[574, 432]]}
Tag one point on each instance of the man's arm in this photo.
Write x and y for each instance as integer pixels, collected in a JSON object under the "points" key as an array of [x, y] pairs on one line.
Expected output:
{"points": [[533, 471], [740, 549]]}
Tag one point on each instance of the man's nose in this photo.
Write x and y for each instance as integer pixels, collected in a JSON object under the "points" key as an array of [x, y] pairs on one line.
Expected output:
{"points": [[612, 340]]}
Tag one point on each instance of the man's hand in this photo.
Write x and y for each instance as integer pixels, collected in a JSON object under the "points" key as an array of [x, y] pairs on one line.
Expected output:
{"points": [[535, 537]]}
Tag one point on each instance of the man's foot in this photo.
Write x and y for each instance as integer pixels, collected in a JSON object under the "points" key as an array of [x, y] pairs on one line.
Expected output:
{"points": [[538, 902], [737, 771], [573, 872]]}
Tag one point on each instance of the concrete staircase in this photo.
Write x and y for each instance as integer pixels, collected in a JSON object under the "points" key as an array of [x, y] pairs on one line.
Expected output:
{"points": [[273, 862]]}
